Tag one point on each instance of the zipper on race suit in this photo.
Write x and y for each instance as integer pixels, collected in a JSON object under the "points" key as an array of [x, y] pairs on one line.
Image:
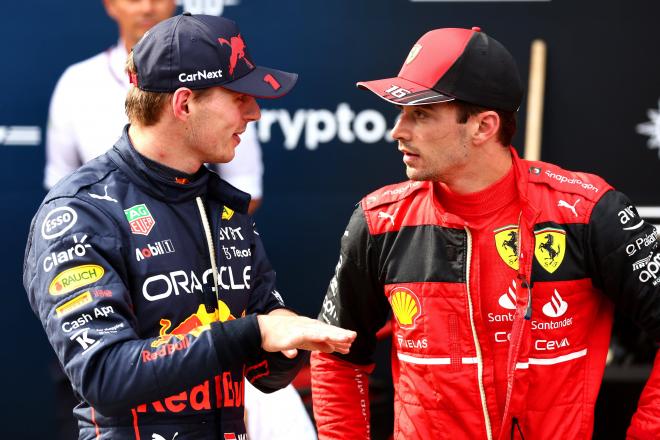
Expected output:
{"points": [[524, 280], [477, 346], [515, 424]]}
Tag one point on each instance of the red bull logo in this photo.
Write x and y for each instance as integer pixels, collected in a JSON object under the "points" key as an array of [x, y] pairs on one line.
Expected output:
{"points": [[194, 324], [237, 46], [228, 393]]}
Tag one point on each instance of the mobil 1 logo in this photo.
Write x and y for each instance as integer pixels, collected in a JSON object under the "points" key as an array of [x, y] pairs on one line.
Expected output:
{"points": [[153, 250]]}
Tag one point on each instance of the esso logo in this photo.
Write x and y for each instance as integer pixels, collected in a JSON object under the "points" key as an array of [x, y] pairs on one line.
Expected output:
{"points": [[57, 222], [206, 7]]}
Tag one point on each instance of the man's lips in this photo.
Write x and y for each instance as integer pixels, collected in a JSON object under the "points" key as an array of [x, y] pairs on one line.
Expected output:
{"points": [[237, 136], [408, 156]]}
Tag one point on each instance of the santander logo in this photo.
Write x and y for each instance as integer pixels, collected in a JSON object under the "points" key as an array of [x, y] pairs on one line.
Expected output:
{"points": [[508, 300], [556, 307]]}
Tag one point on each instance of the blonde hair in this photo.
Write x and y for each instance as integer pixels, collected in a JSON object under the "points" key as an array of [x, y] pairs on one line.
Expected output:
{"points": [[142, 107]]}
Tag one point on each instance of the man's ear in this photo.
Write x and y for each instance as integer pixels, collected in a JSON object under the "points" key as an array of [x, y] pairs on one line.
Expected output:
{"points": [[488, 125], [110, 8], [180, 103]]}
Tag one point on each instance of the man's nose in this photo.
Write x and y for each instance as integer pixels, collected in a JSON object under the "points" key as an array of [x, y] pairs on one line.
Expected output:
{"points": [[147, 6], [401, 130], [252, 111]]}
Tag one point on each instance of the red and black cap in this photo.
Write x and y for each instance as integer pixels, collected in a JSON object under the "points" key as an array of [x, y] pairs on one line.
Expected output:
{"points": [[454, 64], [201, 51]]}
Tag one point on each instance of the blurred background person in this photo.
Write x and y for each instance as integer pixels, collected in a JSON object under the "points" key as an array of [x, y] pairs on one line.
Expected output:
{"points": [[87, 107]]}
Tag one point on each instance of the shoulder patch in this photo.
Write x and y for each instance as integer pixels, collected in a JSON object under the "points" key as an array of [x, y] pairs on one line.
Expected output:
{"points": [[392, 193], [586, 185]]}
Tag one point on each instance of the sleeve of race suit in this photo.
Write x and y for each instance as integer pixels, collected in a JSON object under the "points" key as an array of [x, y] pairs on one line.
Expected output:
{"points": [[75, 275], [269, 372], [355, 301], [625, 264]]}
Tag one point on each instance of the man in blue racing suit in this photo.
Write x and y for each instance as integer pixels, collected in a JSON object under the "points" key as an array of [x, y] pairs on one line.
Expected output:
{"points": [[148, 275]]}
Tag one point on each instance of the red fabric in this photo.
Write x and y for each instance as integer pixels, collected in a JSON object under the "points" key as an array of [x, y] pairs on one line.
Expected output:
{"points": [[556, 359], [487, 212], [645, 424], [348, 417]]}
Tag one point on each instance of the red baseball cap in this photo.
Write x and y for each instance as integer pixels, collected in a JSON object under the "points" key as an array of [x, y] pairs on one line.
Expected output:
{"points": [[454, 64]]}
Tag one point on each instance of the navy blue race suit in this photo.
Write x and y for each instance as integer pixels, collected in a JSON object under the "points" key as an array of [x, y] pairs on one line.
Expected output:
{"points": [[154, 336]]}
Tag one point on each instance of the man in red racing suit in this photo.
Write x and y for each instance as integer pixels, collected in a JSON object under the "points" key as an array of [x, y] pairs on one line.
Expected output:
{"points": [[500, 274]]}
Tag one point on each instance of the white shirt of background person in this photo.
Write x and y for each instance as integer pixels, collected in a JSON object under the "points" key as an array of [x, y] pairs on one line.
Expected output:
{"points": [[86, 117], [277, 416]]}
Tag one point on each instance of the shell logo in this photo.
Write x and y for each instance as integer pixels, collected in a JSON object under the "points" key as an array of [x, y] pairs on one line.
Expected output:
{"points": [[406, 306]]}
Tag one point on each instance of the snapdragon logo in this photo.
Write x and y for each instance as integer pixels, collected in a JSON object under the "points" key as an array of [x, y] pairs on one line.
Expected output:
{"points": [[201, 74], [573, 181], [207, 7], [314, 127]]}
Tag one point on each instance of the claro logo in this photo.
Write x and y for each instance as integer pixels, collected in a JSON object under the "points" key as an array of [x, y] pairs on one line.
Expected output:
{"points": [[321, 126]]}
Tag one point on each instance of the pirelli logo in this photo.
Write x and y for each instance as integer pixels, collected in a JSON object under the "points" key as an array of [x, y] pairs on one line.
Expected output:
{"points": [[74, 304]]}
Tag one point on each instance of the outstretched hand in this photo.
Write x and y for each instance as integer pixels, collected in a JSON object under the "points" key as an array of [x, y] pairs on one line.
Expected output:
{"points": [[282, 330]]}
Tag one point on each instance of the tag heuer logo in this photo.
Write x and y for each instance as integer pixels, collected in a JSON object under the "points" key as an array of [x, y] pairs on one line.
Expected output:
{"points": [[140, 219]]}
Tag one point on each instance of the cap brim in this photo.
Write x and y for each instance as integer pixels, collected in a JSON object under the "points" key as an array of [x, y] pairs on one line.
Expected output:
{"points": [[407, 92], [263, 82]]}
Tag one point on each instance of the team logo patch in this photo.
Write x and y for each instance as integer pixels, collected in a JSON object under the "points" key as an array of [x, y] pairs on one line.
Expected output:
{"points": [[506, 242], [413, 53], [140, 219], [550, 248], [227, 213], [75, 278], [406, 306]]}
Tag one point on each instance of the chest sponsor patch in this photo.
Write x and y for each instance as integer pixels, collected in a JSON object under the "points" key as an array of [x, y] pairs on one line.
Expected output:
{"points": [[406, 306], [140, 219], [550, 248], [506, 242]]}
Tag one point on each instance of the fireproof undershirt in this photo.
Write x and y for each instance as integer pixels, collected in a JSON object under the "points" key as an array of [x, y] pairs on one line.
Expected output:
{"points": [[490, 213]]}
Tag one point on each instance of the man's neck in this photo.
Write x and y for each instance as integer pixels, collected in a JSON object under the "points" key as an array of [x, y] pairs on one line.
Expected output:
{"points": [[164, 146]]}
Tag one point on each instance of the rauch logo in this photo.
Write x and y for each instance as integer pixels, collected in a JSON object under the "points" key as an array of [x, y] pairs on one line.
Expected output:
{"points": [[75, 278]]}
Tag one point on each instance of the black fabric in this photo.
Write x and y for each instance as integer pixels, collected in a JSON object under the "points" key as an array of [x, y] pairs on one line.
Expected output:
{"points": [[624, 260], [485, 74], [427, 253], [360, 304]]}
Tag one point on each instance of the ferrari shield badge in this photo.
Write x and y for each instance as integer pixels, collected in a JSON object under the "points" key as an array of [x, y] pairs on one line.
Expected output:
{"points": [[550, 247], [506, 242]]}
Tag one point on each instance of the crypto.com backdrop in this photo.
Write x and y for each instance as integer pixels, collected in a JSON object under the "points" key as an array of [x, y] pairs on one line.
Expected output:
{"points": [[325, 145]]}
